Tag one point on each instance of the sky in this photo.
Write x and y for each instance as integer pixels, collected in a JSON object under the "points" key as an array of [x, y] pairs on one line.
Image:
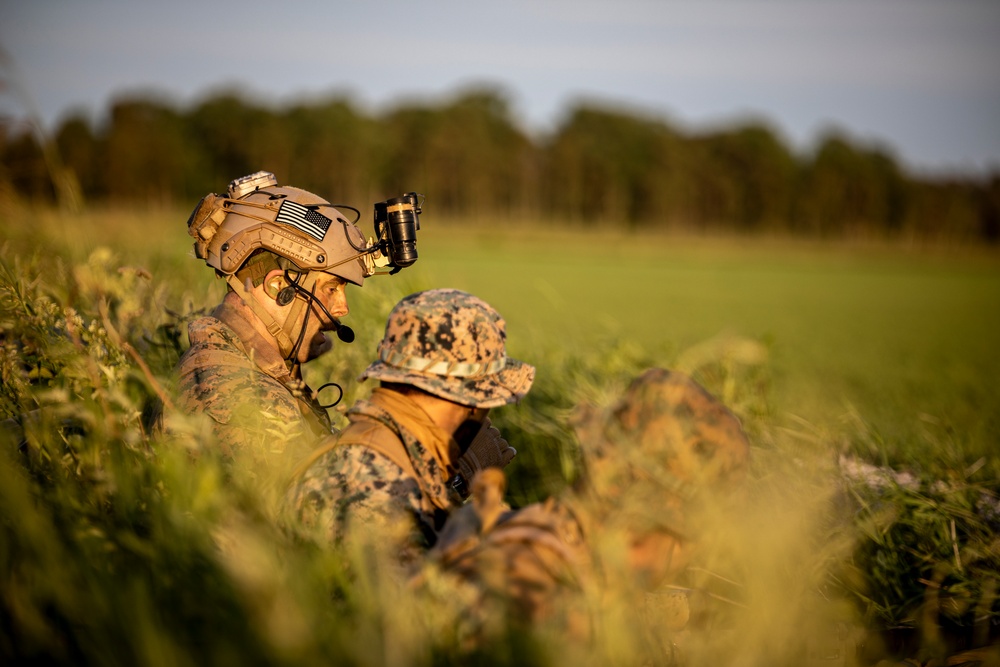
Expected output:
{"points": [[918, 78]]}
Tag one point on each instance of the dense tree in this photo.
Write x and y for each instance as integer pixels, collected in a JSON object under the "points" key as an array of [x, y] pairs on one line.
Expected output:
{"points": [[83, 154], [151, 154], [989, 215], [470, 159], [24, 167], [847, 189], [468, 156], [945, 209], [748, 176], [234, 135], [609, 165], [331, 151]]}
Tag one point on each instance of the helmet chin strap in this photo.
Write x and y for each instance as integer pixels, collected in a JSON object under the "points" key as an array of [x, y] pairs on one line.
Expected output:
{"points": [[283, 332], [304, 282]]}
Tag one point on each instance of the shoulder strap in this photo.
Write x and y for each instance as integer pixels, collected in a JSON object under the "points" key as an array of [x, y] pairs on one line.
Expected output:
{"points": [[374, 436], [368, 434], [265, 357]]}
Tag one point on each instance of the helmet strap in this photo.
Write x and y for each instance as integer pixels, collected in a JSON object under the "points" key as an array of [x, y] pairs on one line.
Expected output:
{"points": [[302, 289], [303, 283], [276, 330]]}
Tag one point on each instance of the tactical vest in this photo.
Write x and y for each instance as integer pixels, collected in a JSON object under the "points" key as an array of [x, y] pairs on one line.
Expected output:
{"points": [[380, 436]]}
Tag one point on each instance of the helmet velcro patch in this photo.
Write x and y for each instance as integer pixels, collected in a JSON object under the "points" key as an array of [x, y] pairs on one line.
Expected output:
{"points": [[304, 218]]}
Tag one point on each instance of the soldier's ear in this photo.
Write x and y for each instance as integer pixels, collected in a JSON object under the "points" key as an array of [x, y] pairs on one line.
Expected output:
{"points": [[273, 283]]}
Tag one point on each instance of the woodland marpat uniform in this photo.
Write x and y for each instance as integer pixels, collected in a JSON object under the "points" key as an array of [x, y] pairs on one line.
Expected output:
{"points": [[386, 468], [255, 404], [287, 256]]}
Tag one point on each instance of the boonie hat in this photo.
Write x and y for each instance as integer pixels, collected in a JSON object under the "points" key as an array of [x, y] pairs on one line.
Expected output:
{"points": [[452, 345]]}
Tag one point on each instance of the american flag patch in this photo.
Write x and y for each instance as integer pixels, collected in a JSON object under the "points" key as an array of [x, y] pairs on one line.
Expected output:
{"points": [[309, 220]]}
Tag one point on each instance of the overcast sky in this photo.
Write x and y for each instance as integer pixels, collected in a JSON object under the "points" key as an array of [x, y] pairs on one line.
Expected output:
{"points": [[920, 77]]}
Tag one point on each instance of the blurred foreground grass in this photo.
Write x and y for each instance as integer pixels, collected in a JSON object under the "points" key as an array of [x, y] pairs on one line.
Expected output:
{"points": [[864, 373]]}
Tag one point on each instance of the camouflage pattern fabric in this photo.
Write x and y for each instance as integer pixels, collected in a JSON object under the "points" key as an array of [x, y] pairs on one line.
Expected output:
{"points": [[452, 345], [650, 459], [535, 570], [352, 486], [666, 436], [254, 413], [528, 566]]}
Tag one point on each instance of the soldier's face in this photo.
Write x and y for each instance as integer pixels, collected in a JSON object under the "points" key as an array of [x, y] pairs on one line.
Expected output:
{"points": [[331, 292]]}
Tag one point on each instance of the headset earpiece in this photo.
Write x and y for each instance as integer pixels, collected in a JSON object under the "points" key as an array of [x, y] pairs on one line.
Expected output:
{"points": [[282, 295], [286, 296]]}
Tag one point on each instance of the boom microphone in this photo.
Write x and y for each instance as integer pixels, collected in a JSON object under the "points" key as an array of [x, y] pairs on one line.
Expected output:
{"points": [[344, 332]]}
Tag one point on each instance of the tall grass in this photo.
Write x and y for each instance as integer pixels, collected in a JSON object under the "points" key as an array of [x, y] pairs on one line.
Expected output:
{"points": [[869, 526]]}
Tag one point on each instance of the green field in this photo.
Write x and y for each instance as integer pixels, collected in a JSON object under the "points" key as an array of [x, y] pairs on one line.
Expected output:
{"points": [[884, 352], [868, 327]]}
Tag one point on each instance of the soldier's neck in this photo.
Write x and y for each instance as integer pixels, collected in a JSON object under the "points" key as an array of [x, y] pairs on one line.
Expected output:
{"points": [[264, 339]]}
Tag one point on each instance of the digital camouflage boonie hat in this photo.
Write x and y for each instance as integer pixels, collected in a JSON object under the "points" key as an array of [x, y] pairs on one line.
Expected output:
{"points": [[452, 345], [666, 431]]}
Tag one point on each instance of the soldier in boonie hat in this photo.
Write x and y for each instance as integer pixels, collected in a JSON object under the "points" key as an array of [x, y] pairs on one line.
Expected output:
{"points": [[453, 345], [415, 444]]}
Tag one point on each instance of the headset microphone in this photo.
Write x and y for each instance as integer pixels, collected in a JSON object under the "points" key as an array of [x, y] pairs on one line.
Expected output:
{"points": [[344, 332]]}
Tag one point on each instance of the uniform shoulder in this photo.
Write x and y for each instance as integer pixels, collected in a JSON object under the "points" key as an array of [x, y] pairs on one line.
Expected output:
{"points": [[213, 343], [217, 377], [350, 460], [350, 483], [348, 467]]}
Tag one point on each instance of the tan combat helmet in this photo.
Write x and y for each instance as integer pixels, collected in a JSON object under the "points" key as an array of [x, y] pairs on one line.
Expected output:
{"points": [[300, 227], [452, 345], [295, 224]]}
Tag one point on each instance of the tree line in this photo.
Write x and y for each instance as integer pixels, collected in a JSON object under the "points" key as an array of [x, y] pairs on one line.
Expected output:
{"points": [[470, 159]]}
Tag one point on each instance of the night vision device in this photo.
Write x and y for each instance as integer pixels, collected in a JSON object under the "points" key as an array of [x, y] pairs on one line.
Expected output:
{"points": [[396, 223]]}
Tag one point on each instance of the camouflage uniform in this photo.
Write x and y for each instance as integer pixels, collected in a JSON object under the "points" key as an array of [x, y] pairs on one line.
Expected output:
{"points": [[649, 460], [249, 382], [392, 461], [255, 402], [358, 478]]}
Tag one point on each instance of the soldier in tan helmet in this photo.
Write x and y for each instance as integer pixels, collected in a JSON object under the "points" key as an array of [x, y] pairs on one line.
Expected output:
{"points": [[442, 366], [651, 461], [288, 257]]}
